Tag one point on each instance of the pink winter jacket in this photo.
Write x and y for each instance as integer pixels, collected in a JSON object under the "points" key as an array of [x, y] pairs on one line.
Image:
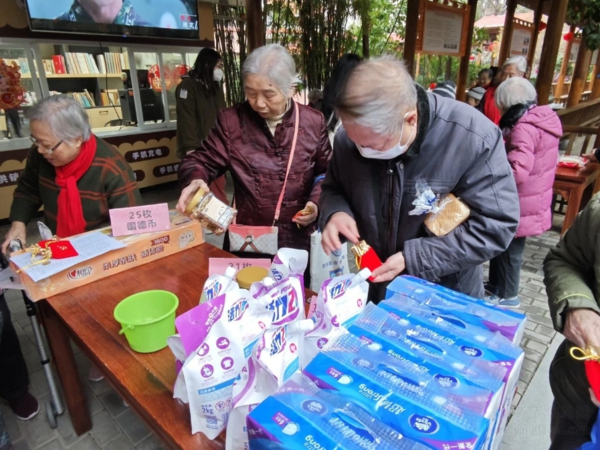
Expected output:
{"points": [[532, 146]]}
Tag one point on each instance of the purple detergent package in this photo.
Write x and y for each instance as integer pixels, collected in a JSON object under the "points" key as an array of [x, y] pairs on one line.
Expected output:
{"points": [[510, 324]]}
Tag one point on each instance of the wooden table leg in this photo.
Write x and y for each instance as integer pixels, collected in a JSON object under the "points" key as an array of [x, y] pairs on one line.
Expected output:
{"points": [[64, 361], [572, 207]]}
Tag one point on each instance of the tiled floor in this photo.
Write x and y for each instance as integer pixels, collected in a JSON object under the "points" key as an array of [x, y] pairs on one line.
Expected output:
{"points": [[117, 427]]}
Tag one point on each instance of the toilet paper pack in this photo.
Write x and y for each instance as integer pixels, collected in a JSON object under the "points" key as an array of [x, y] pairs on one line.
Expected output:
{"points": [[300, 415], [474, 342], [470, 309], [418, 414]]}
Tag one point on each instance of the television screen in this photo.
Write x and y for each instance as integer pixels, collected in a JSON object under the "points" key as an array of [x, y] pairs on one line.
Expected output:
{"points": [[145, 18]]}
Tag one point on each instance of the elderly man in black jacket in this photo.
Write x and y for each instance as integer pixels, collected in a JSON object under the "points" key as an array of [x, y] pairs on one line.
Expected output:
{"points": [[395, 134]]}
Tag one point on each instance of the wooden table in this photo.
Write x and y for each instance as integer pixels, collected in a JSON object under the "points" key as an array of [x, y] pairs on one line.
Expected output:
{"points": [[574, 185], [145, 381]]}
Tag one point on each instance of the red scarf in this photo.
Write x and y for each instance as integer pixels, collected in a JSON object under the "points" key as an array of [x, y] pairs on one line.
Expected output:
{"points": [[70, 220]]}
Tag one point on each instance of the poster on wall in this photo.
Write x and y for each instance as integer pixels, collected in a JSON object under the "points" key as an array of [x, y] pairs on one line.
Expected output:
{"points": [[574, 51], [442, 30], [521, 41]]}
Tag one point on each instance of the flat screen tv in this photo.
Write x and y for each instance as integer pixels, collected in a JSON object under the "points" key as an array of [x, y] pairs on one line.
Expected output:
{"points": [[177, 19]]}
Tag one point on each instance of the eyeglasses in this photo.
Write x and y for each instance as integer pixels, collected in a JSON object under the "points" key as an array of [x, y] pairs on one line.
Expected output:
{"points": [[47, 150]]}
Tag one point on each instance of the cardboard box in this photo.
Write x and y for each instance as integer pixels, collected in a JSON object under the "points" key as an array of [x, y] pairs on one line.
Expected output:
{"points": [[140, 249]]}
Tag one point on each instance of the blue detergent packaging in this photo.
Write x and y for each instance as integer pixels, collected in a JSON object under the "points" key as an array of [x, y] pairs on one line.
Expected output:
{"points": [[394, 396], [475, 342], [469, 309], [300, 415]]}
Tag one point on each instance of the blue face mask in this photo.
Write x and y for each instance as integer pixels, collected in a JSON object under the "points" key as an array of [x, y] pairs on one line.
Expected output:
{"points": [[391, 153]]}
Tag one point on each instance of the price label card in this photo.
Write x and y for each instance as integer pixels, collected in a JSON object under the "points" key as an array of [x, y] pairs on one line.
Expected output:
{"points": [[217, 266], [140, 219]]}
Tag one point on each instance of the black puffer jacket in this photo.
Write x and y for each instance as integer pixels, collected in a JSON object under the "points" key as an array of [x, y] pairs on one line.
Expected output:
{"points": [[456, 150]]}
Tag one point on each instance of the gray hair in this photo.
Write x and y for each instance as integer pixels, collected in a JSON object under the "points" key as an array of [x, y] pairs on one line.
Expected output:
{"points": [[519, 61], [377, 95], [514, 91], [274, 62], [64, 115]]}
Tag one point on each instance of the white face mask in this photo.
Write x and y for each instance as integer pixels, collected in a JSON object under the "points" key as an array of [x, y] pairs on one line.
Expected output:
{"points": [[218, 74], [391, 153]]}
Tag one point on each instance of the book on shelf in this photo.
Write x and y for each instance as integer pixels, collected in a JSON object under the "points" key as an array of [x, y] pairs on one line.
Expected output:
{"points": [[84, 98], [101, 63], [81, 64], [109, 97], [59, 64], [48, 66]]}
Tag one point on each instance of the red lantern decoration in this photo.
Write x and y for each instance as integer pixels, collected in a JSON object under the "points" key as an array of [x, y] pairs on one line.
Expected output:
{"points": [[543, 26], [472, 58], [568, 36], [432, 86], [154, 75], [179, 71]]}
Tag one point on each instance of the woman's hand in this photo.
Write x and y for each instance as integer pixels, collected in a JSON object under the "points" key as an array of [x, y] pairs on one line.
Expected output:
{"points": [[308, 219], [393, 267], [339, 223], [188, 192], [18, 230]]}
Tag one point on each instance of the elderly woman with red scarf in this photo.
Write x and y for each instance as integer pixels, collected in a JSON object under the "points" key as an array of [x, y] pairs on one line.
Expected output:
{"points": [[77, 178]]}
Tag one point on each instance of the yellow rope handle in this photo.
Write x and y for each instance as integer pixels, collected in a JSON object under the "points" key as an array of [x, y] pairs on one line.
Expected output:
{"points": [[584, 355], [35, 250]]}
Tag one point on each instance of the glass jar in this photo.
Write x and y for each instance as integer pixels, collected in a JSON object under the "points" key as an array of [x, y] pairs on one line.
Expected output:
{"points": [[211, 212]]}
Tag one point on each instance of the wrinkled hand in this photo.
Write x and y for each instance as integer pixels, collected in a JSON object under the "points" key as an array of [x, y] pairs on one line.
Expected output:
{"points": [[16, 231], [307, 220], [188, 192], [390, 269], [339, 223], [590, 157], [582, 327]]}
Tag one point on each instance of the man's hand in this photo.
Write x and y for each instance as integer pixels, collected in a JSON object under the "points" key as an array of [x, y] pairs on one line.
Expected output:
{"points": [[340, 223], [18, 230], [393, 267], [590, 157], [188, 192], [307, 220], [582, 327]]}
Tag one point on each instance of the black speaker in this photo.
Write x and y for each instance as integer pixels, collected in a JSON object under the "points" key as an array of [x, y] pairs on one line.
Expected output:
{"points": [[152, 105]]}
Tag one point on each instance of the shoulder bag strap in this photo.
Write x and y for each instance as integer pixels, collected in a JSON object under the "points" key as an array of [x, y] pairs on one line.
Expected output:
{"points": [[287, 172]]}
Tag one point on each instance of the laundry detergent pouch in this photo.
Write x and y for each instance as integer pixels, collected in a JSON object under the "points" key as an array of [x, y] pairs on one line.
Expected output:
{"points": [[218, 285], [433, 421], [300, 415], [176, 345], [340, 301], [476, 343], [231, 326], [274, 361], [289, 262], [509, 323]]}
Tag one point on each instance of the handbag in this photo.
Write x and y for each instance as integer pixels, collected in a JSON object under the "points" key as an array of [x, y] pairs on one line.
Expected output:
{"points": [[263, 239]]}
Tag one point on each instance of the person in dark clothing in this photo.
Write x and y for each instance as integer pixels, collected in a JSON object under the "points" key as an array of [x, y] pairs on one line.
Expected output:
{"points": [[395, 134], [199, 99], [14, 377], [332, 89], [13, 115]]}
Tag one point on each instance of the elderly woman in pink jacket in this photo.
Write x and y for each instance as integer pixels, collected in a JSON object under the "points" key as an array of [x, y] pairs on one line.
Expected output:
{"points": [[531, 136]]}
